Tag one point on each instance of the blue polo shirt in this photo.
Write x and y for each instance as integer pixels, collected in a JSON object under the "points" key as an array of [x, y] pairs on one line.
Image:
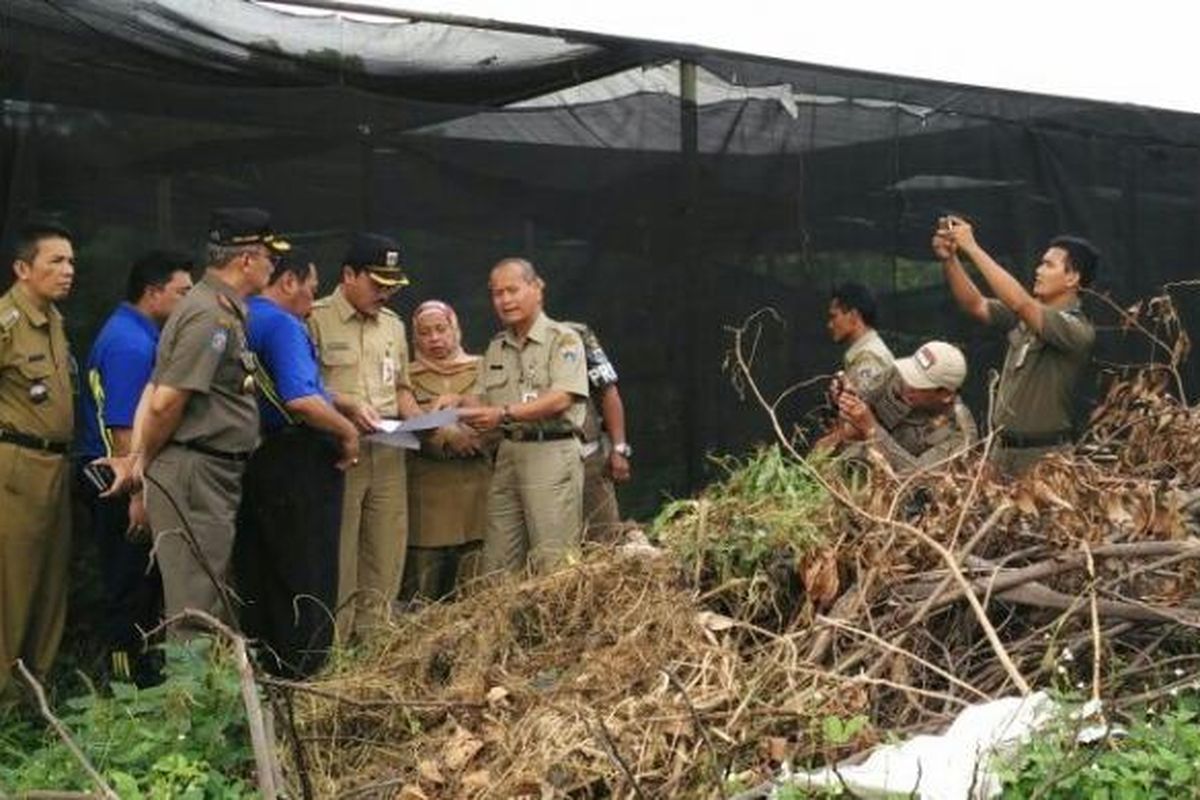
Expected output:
{"points": [[118, 368], [288, 357]]}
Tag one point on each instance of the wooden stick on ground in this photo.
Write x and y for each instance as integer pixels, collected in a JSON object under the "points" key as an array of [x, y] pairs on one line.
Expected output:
{"points": [[61, 729], [260, 740]]}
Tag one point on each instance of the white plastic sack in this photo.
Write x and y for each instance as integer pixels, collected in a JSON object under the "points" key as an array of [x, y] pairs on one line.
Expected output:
{"points": [[952, 766]]}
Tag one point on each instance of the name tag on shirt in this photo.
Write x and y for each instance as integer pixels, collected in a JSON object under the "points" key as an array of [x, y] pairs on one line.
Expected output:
{"points": [[389, 371]]}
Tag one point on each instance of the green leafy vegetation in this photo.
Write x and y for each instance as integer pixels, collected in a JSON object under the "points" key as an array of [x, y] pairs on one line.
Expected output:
{"points": [[185, 738], [767, 505], [1158, 757]]}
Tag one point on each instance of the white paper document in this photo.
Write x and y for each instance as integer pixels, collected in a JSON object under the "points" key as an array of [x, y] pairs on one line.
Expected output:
{"points": [[400, 432]]}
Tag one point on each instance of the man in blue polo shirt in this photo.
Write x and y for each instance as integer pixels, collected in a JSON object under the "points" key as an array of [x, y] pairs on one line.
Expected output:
{"points": [[118, 367], [286, 551]]}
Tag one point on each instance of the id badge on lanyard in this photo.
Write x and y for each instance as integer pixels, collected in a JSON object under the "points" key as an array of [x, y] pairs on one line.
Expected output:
{"points": [[388, 373]]}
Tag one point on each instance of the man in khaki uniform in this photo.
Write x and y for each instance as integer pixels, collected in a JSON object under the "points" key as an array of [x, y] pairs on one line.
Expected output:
{"points": [[197, 423], [534, 389], [36, 424], [364, 363], [852, 314], [915, 419], [606, 452], [1049, 338]]}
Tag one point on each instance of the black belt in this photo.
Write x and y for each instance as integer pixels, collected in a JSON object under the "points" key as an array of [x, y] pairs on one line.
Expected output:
{"points": [[1010, 439], [35, 442], [214, 452], [535, 435]]}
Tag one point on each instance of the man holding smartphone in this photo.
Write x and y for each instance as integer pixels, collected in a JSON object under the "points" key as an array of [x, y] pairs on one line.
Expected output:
{"points": [[118, 368], [1049, 337]]}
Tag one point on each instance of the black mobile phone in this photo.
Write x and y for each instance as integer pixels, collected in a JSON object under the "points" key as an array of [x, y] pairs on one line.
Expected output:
{"points": [[100, 475]]}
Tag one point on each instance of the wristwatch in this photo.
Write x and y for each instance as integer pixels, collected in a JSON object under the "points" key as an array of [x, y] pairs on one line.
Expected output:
{"points": [[506, 417], [623, 449]]}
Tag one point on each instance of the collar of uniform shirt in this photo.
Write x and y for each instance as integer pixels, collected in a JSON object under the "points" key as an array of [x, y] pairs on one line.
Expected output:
{"points": [[37, 317], [537, 332]]}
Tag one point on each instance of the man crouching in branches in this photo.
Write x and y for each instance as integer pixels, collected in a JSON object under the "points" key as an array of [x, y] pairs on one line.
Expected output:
{"points": [[915, 418]]}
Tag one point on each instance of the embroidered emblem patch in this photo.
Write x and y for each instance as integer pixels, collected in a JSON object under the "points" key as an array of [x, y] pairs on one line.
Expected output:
{"points": [[219, 340]]}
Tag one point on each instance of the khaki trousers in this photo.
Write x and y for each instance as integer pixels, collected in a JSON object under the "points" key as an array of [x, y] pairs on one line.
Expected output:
{"points": [[601, 514], [535, 506], [373, 538], [203, 490], [35, 549]]}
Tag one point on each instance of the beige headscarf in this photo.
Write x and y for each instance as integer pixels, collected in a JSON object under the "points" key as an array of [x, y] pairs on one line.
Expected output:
{"points": [[457, 360]]}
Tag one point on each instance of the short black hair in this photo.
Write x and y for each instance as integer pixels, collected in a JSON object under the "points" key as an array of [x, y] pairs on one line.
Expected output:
{"points": [[1082, 256], [155, 268], [853, 296], [296, 262], [31, 233]]}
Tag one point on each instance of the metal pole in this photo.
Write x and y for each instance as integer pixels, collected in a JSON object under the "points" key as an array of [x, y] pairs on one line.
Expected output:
{"points": [[696, 396]]}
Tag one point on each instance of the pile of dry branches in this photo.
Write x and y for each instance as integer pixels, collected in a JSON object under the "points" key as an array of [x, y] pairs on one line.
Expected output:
{"points": [[896, 600]]}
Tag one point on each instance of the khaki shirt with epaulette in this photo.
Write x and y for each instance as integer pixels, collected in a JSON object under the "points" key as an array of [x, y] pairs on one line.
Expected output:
{"points": [[867, 362], [1037, 383], [363, 358], [35, 369], [551, 358], [203, 351]]}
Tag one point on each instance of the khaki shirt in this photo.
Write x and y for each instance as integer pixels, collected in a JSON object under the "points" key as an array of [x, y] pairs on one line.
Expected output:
{"points": [[363, 358], [867, 362], [203, 350], [550, 359], [1037, 383], [912, 439], [34, 352]]}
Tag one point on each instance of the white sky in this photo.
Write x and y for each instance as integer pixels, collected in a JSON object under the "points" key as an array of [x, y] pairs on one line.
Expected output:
{"points": [[1144, 52]]}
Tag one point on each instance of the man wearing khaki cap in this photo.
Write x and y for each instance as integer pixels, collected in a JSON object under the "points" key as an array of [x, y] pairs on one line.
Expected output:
{"points": [[915, 419], [197, 422], [364, 363]]}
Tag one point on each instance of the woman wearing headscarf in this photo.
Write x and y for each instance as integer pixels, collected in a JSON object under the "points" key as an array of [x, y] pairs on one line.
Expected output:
{"points": [[449, 477]]}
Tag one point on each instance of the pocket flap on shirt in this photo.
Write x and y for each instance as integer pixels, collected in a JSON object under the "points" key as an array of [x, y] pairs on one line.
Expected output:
{"points": [[338, 356], [36, 369]]}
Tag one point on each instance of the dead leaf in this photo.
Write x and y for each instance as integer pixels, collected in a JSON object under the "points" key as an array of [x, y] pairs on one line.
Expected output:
{"points": [[775, 748], [820, 576], [1043, 492], [429, 772], [476, 781], [1115, 510], [1024, 502], [497, 696], [714, 622], [460, 749], [411, 792]]}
